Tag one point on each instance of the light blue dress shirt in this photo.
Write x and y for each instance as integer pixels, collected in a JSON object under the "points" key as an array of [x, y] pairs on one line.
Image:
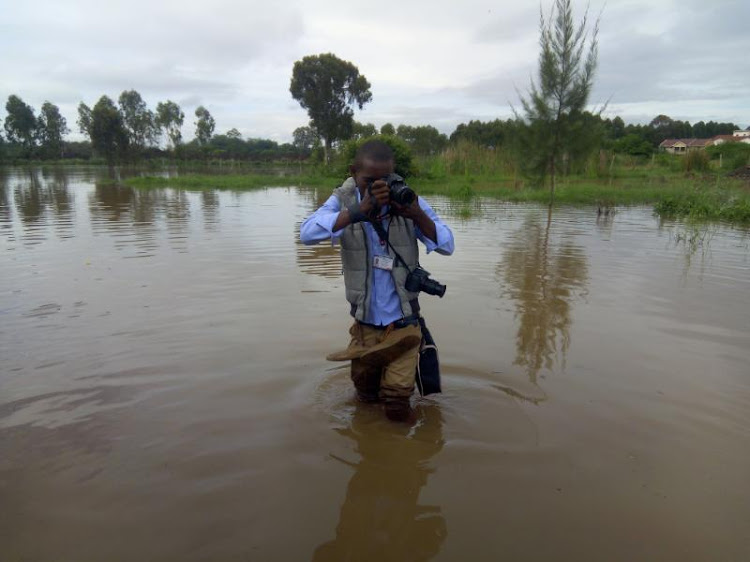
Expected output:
{"points": [[385, 306]]}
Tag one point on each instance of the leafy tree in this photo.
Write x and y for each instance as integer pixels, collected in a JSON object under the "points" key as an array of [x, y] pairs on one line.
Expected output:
{"points": [[362, 130], [170, 117], [204, 126], [700, 130], [230, 145], [633, 144], [661, 122], [703, 130], [79, 149], [327, 87], [138, 120], [617, 127], [664, 127], [304, 138], [555, 104], [491, 134], [52, 127], [422, 139], [85, 119], [20, 123], [109, 138], [388, 129], [404, 164]]}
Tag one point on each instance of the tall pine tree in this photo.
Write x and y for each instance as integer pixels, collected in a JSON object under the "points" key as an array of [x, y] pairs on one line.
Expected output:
{"points": [[554, 109]]}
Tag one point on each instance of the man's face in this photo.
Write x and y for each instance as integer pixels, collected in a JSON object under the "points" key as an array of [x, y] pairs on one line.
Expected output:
{"points": [[371, 171]]}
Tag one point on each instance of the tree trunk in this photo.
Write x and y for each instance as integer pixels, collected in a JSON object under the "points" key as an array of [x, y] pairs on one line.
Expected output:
{"points": [[327, 151], [552, 172]]}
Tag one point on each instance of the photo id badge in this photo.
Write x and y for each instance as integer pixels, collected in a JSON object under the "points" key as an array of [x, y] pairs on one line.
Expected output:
{"points": [[383, 262]]}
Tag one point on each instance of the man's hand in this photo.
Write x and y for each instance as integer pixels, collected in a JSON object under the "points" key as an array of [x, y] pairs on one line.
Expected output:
{"points": [[413, 211], [375, 198], [420, 218]]}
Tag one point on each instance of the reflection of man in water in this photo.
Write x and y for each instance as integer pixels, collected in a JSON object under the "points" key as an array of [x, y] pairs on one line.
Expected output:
{"points": [[380, 518], [385, 336]]}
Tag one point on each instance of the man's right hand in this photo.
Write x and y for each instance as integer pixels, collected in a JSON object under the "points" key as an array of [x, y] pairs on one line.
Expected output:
{"points": [[375, 198]]}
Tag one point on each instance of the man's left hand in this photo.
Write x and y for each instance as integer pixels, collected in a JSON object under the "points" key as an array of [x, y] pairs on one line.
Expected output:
{"points": [[420, 218], [413, 211]]}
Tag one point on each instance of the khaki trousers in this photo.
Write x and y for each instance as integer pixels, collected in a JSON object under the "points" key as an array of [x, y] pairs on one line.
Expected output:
{"points": [[389, 378]]}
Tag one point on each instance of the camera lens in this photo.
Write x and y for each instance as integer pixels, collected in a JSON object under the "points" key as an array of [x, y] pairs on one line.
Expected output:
{"points": [[432, 287], [405, 196]]}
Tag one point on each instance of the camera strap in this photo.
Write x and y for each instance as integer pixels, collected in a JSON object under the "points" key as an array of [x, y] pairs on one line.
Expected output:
{"points": [[383, 234]]}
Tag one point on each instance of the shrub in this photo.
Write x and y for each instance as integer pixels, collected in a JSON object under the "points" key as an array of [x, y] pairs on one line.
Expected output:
{"points": [[402, 154], [733, 154], [696, 161]]}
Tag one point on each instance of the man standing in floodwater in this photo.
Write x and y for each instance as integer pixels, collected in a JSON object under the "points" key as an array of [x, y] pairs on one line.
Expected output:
{"points": [[385, 336]]}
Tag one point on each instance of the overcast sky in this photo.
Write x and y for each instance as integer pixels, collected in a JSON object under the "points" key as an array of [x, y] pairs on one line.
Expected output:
{"points": [[429, 62]]}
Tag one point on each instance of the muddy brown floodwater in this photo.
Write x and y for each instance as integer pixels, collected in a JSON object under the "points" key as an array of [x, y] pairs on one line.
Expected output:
{"points": [[164, 393]]}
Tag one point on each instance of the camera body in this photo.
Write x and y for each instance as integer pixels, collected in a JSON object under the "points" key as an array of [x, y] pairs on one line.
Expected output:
{"points": [[398, 190], [419, 280]]}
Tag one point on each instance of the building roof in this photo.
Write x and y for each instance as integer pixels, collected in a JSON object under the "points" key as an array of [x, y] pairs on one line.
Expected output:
{"points": [[690, 143], [725, 138]]}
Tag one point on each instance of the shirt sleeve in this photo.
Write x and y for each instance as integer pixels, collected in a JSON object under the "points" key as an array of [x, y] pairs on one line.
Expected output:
{"points": [[319, 226], [445, 243]]}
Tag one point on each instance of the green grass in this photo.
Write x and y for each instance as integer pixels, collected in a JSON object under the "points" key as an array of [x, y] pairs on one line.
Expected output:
{"points": [[702, 203], [702, 198]]}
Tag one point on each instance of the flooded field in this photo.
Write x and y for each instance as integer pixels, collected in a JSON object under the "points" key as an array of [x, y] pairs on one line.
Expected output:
{"points": [[164, 393]]}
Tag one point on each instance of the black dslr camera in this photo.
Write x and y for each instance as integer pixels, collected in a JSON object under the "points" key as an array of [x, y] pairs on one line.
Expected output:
{"points": [[399, 191], [419, 280]]}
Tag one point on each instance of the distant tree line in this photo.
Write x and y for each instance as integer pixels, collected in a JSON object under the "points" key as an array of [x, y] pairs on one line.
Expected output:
{"points": [[128, 131], [609, 134]]}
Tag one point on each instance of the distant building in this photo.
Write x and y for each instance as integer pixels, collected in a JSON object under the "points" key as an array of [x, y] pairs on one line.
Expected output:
{"points": [[681, 146], [742, 134]]}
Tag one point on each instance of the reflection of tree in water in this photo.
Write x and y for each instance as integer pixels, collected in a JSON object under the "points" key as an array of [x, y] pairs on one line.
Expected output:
{"points": [[314, 197], [177, 216], [380, 518], [41, 201], [210, 206], [322, 259], [6, 213], [118, 203], [136, 212], [541, 278]]}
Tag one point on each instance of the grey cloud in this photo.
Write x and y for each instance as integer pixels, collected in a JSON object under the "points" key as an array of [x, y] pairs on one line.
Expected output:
{"points": [[156, 79], [700, 55], [509, 25], [236, 57]]}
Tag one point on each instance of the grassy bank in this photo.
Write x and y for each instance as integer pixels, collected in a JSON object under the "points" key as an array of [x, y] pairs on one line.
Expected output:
{"points": [[709, 197], [702, 198]]}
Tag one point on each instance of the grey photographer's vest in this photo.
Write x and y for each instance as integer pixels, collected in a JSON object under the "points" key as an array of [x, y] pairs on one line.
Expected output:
{"points": [[357, 262]]}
